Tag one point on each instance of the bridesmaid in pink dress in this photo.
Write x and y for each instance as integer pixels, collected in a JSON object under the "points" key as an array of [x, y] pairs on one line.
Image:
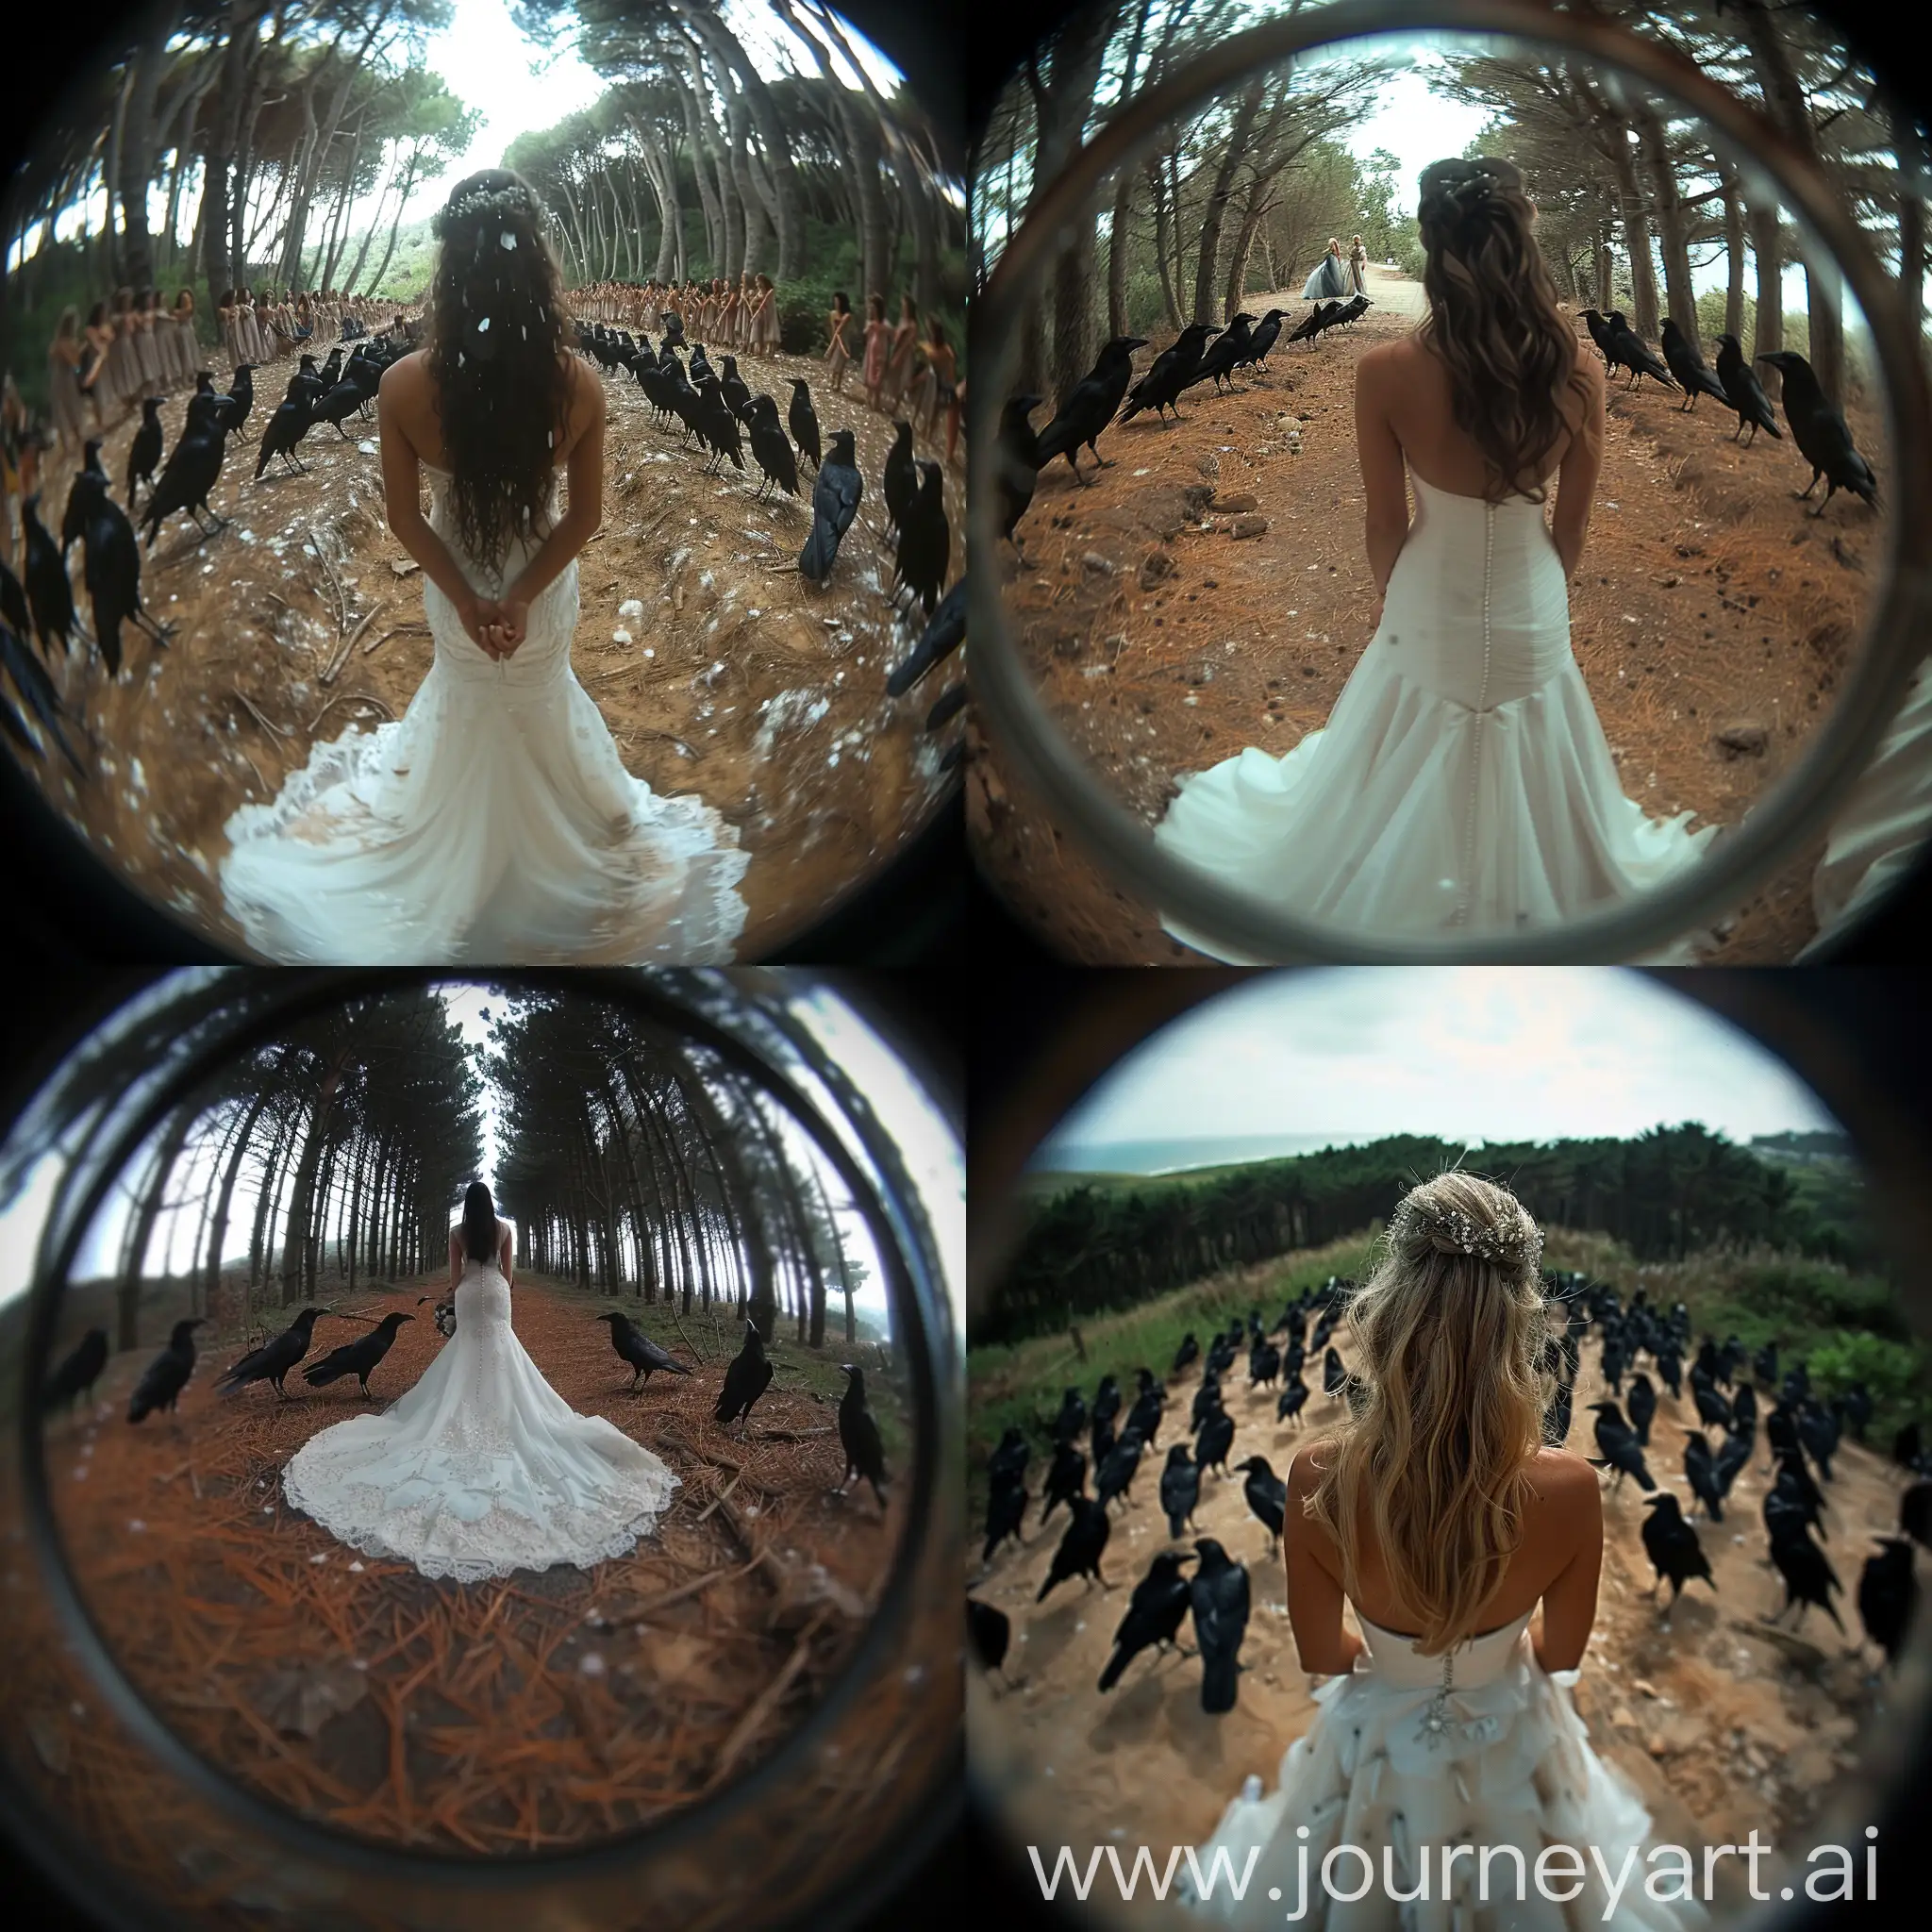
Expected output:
{"points": [[877, 332]]}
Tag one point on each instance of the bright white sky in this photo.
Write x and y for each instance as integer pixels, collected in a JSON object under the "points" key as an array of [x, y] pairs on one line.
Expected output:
{"points": [[1475, 1054]]}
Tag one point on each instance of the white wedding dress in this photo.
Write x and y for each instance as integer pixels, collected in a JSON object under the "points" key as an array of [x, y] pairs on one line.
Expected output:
{"points": [[1403, 1754], [482, 1468], [1462, 780], [494, 823]]}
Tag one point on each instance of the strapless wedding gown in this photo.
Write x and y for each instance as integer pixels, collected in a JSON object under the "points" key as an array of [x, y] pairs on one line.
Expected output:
{"points": [[481, 1468], [1462, 780], [493, 824], [1404, 1755]]}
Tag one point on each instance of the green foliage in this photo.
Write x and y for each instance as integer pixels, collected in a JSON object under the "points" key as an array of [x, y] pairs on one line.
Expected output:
{"points": [[1107, 1243], [1892, 1370]]}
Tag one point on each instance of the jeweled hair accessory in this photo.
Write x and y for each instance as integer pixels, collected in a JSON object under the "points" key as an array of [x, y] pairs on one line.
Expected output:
{"points": [[1520, 1245], [486, 204]]}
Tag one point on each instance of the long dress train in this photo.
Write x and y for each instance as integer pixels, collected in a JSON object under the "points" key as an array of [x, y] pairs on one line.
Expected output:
{"points": [[1410, 1755], [1462, 779], [481, 1468], [493, 824]]}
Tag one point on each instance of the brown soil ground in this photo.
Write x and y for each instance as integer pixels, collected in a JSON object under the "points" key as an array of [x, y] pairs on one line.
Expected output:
{"points": [[1722, 1722], [1706, 597], [552, 1708], [764, 696]]}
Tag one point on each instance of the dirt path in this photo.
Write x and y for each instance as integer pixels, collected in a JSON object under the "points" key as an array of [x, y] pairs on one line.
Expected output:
{"points": [[552, 1708], [1707, 600], [737, 681], [1721, 1724]]}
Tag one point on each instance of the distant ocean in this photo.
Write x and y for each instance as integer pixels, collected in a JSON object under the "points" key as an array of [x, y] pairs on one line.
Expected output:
{"points": [[1178, 1156]]}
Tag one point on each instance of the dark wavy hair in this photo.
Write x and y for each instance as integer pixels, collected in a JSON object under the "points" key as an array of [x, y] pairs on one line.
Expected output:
{"points": [[496, 354], [1494, 319], [479, 1223]]}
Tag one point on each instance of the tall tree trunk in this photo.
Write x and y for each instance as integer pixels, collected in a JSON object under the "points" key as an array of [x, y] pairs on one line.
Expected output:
{"points": [[394, 230], [1768, 320], [136, 148], [1162, 216], [1643, 307], [127, 1301], [1784, 97], [1734, 252], [1672, 229]]}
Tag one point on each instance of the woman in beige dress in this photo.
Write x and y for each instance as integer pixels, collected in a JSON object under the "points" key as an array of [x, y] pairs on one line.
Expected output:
{"points": [[123, 359], [63, 386], [765, 318], [838, 356], [147, 348], [899, 358]]}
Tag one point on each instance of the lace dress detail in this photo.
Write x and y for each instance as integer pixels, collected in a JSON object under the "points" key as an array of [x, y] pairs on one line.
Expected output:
{"points": [[1462, 781], [482, 1468], [1410, 1753], [493, 824]]}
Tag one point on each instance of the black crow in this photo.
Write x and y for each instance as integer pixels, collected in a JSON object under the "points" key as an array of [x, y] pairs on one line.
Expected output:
{"points": [[1213, 1440], [900, 480], [1106, 1399], [49, 591], [770, 448], [1915, 1512], [1700, 1469], [274, 1359], [747, 1379], [859, 1435], [1618, 1443], [941, 636], [289, 423], [925, 539], [1180, 1489], [1642, 1406], [1065, 1480], [1190, 1351], [835, 500], [736, 391], [1820, 432], [1115, 1475], [1016, 466], [1334, 1376], [1266, 1496], [636, 1348], [1071, 1419], [113, 574], [1009, 1462], [1808, 1577], [1262, 337], [1229, 347], [1889, 1596], [164, 1379], [1295, 1395], [1172, 371], [1081, 1547], [803, 421], [1599, 335], [77, 1374], [1633, 353], [1159, 1607], [359, 1357], [1006, 1509], [74, 521], [1673, 1545], [1089, 407], [145, 452], [1684, 360], [1219, 1597]]}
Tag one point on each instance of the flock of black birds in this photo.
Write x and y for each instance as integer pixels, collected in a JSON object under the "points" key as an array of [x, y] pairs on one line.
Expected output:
{"points": [[746, 1377], [42, 605], [1800, 1430], [1108, 394], [1217, 1595], [1817, 429], [718, 408]]}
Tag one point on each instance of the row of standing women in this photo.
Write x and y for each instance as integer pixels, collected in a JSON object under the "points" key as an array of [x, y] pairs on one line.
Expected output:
{"points": [[123, 352], [743, 318]]}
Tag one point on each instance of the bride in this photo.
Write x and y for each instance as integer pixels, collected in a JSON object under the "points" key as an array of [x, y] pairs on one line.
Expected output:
{"points": [[1462, 780], [496, 823], [1439, 1515], [481, 1468]]}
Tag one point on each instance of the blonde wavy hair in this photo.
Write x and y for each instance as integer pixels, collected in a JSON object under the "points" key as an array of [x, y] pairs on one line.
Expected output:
{"points": [[1433, 1462]]}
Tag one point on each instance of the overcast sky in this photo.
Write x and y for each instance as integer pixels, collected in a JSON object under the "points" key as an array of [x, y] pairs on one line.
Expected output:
{"points": [[1472, 1053]]}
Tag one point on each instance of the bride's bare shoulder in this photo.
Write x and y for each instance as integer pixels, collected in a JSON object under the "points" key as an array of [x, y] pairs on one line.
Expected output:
{"points": [[1558, 1478]]}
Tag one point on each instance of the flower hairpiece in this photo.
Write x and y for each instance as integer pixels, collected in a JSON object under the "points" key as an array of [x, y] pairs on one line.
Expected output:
{"points": [[1520, 1244]]}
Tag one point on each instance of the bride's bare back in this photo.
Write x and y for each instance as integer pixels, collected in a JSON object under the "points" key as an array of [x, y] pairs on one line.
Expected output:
{"points": [[1404, 412], [1557, 1564]]}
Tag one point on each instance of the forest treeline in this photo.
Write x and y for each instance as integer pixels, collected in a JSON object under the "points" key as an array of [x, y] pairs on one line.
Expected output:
{"points": [[1628, 189], [1664, 1195], [633, 1162]]}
